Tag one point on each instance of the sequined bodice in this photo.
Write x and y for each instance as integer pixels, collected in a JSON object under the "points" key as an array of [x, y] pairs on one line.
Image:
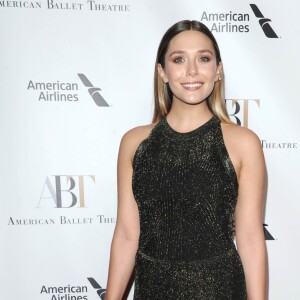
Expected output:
{"points": [[186, 190]]}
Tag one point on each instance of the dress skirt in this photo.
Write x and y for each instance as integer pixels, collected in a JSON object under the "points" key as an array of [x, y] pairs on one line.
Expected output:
{"points": [[220, 277]]}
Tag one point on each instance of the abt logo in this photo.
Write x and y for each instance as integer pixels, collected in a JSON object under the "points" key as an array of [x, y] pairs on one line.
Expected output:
{"points": [[264, 22], [238, 110], [65, 191]]}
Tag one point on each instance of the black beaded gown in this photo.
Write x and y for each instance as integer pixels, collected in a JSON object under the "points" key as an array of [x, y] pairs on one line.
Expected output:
{"points": [[186, 190]]}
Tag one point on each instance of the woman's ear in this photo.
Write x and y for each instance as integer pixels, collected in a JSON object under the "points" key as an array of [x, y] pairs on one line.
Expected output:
{"points": [[219, 71], [162, 73]]}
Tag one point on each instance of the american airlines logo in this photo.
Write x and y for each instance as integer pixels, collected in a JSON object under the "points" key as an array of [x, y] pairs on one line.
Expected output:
{"points": [[267, 234], [93, 91], [64, 91], [99, 289], [264, 22]]}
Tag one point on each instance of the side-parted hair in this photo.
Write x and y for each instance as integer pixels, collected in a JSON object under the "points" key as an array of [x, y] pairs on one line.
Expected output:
{"points": [[163, 95]]}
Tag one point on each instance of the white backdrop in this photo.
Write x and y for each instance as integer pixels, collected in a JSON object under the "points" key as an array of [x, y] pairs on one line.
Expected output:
{"points": [[60, 133]]}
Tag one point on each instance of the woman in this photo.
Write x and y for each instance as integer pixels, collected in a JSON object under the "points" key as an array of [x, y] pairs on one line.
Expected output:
{"points": [[181, 180]]}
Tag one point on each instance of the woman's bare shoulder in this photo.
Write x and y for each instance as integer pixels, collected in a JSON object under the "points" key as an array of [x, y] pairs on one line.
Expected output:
{"points": [[242, 139], [240, 133], [132, 138]]}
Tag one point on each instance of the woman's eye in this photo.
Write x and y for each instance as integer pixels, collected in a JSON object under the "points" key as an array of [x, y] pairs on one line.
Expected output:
{"points": [[204, 58], [178, 59]]}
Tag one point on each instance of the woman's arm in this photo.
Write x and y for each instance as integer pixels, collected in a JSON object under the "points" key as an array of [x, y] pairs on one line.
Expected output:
{"points": [[125, 240], [249, 215]]}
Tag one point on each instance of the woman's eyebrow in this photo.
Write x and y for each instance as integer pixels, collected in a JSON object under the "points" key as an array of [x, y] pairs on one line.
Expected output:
{"points": [[182, 51]]}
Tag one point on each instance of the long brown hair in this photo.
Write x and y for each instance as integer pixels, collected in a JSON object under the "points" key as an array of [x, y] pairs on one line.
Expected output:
{"points": [[162, 93]]}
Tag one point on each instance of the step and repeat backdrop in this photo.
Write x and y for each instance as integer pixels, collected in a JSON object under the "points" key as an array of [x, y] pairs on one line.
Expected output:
{"points": [[74, 77]]}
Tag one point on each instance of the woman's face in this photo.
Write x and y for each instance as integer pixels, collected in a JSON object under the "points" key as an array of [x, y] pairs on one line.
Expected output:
{"points": [[190, 67]]}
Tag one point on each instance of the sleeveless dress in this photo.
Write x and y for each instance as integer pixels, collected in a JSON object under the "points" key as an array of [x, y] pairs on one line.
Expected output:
{"points": [[186, 190]]}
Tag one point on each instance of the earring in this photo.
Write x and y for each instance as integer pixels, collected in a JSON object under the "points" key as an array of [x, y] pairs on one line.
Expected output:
{"points": [[219, 77]]}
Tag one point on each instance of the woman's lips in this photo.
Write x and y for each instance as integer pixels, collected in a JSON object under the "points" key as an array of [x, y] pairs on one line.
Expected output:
{"points": [[192, 86]]}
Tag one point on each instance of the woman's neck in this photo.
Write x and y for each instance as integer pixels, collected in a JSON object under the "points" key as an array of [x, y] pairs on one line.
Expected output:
{"points": [[185, 117]]}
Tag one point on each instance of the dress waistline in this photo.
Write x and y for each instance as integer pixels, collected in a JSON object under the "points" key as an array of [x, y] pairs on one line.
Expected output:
{"points": [[224, 255]]}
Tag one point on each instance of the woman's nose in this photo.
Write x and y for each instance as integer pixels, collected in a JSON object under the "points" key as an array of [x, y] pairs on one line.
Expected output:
{"points": [[192, 69]]}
